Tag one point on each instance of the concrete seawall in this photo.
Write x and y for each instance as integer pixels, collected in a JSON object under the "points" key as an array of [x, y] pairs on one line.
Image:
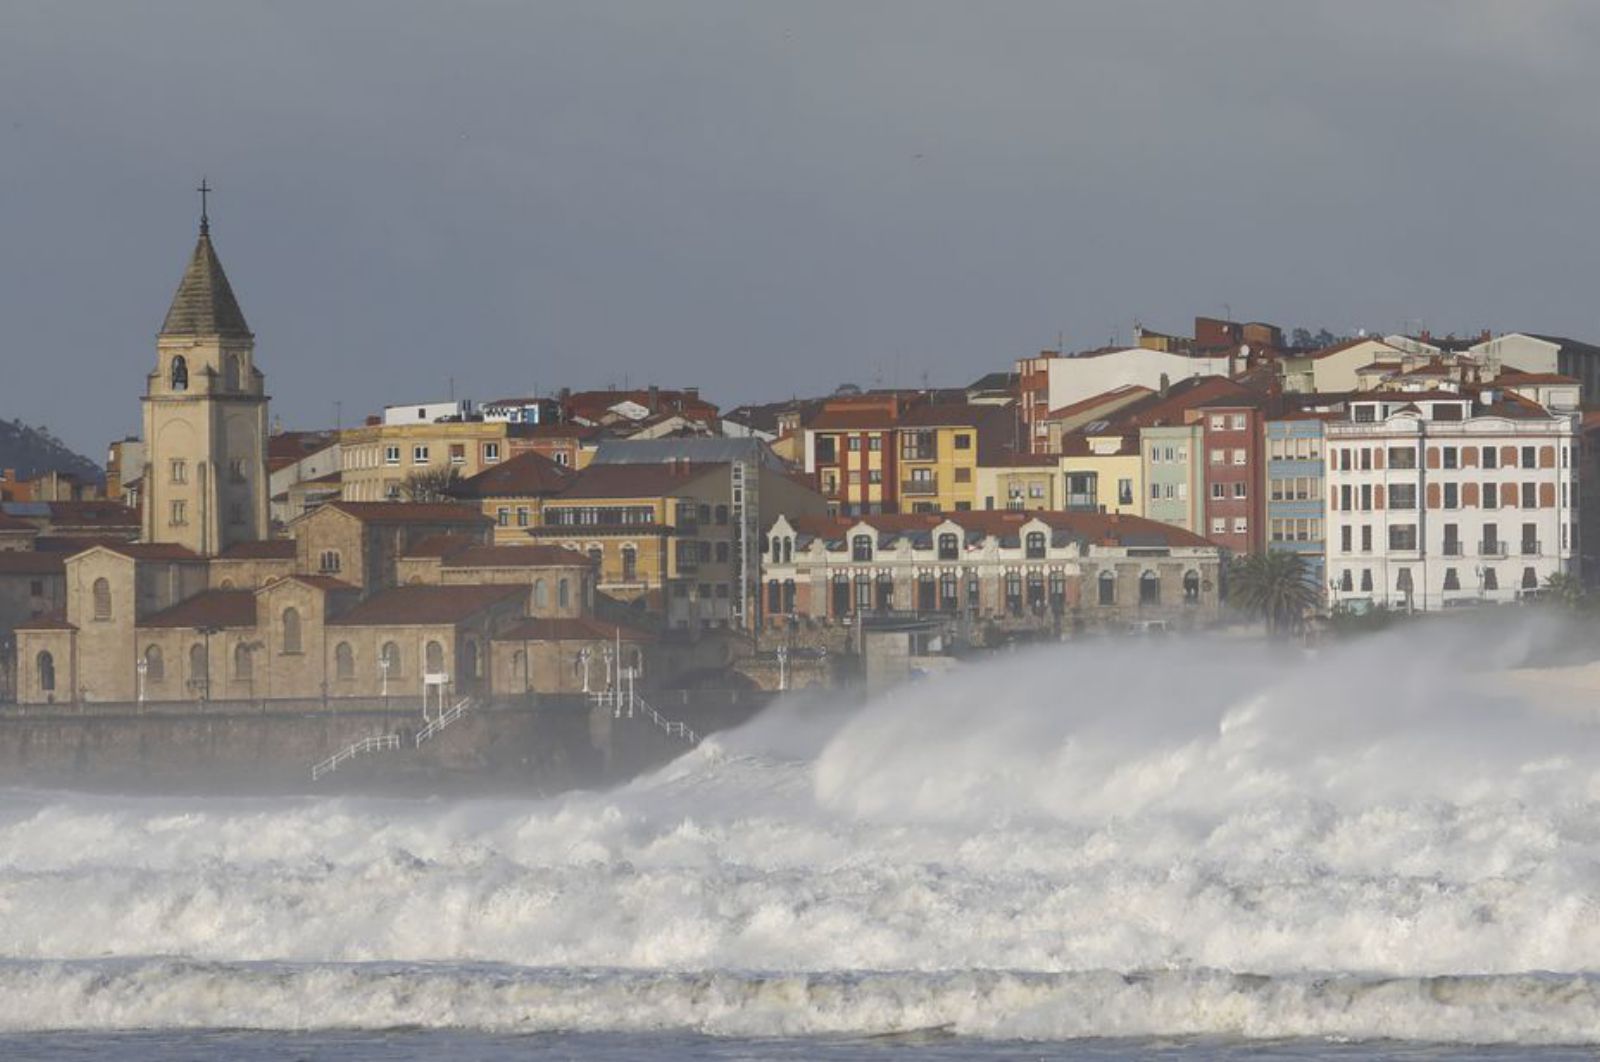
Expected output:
{"points": [[557, 745]]}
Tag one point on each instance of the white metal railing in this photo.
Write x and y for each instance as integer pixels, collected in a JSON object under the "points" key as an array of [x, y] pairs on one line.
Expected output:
{"points": [[376, 743], [443, 719], [625, 702]]}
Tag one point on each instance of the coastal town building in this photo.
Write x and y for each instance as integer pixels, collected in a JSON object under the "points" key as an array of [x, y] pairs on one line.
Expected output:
{"points": [[1443, 498], [1040, 570]]}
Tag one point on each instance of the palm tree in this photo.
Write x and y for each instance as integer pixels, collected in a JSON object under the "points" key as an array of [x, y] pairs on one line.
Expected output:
{"points": [[1275, 585], [1564, 589]]}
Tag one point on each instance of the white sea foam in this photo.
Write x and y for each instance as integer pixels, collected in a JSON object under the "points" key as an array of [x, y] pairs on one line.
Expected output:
{"points": [[1067, 843]]}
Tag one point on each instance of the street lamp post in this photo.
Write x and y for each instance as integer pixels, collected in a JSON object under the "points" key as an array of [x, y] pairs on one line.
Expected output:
{"points": [[206, 632], [783, 667], [383, 672], [583, 658], [142, 666]]}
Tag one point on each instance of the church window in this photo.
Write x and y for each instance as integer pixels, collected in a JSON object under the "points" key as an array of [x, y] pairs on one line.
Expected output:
{"points": [[199, 669], [291, 630], [180, 470], [344, 661], [102, 599], [539, 594], [241, 662], [563, 594], [232, 372], [155, 666], [180, 373], [47, 671], [180, 513], [434, 659], [391, 660]]}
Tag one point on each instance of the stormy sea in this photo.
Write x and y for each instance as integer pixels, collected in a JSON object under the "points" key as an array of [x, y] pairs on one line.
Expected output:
{"points": [[1102, 851]]}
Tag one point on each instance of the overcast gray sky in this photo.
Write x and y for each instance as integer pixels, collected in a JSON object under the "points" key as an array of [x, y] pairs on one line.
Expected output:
{"points": [[766, 199]]}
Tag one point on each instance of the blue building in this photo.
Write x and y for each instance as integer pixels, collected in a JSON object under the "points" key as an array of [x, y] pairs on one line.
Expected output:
{"points": [[1296, 488]]}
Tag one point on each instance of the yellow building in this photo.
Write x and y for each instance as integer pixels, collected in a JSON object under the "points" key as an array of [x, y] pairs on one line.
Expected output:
{"points": [[377, 459], [512, 493], [668, 534], [1020, 481], [880, 453], [1102, 473]]}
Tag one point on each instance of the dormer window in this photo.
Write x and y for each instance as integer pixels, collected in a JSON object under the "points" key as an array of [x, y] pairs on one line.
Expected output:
{"points": [[861, 548]]}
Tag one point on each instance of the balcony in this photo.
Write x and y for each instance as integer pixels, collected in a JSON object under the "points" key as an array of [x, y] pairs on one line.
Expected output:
{"points": [[1491, 549], [919, 487], [1083, 503], [1530, 547], [1452, 549]]}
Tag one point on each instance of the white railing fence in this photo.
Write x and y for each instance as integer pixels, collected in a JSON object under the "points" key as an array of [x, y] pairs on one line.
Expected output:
{"points": [[376, 743], [443, 719]]}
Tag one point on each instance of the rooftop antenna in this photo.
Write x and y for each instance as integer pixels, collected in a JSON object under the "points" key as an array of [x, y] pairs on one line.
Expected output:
{"points": [[205, 213]]}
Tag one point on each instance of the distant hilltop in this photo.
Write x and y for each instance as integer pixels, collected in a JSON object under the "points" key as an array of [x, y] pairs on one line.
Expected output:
{"points": [[34, 451]]}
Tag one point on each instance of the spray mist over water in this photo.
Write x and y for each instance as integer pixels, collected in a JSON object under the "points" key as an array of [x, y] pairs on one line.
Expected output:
{"points": [[1128, 838]]}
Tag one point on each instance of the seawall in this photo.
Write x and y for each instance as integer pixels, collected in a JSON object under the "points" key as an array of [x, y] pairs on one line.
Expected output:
{"points": [[558, 744]]}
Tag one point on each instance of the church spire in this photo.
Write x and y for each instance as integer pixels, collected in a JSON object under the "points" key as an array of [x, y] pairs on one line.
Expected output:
{"points": [[204, 304]]}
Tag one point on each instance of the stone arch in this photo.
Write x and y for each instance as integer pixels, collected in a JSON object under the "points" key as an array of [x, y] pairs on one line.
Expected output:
{"points": [[102, 598]]}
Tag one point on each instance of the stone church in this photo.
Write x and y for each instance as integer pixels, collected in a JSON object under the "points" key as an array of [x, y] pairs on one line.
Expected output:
{"points": [[363, 600]]}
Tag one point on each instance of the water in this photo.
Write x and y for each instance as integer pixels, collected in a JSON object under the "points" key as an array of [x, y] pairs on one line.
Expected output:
{"points": [[1089, 853]]}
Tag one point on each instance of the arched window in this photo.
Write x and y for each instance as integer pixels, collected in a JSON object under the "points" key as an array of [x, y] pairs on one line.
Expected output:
{"points": [[630, 564], [471, 665], [1013, 592], [291, 630], [1149, 589], [1035, 545], [863, 592], [199, 672], [861, 548], [774, 596], [1058, 591], [885, 591], [241, 662], [155, 667], [102, 599], [433, 659], [1108, 588], [949, 591], [391, 660], [949, 546], [927, 592], [179, 378], [563, 594], [519, 664], [597, 558], [344, 661], [1530, 579], [1035, 591], [541, 595], [232, 370], [46, 665], [788, 595], [1191, 585], [788, 551]]}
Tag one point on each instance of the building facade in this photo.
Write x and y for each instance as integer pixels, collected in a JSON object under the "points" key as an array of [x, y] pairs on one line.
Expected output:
{"points": [[1443, 499]]}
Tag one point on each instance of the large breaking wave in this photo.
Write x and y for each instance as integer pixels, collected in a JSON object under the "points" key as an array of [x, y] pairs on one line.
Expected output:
{"points": [[1096, 841]]}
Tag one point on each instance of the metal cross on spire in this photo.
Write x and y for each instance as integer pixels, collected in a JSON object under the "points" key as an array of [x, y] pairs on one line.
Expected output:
{"points": [[205, 217]]}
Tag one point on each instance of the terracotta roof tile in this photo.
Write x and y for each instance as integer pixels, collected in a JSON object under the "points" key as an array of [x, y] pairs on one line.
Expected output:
{"points": [[31, 562], [527, 475], [271, 549], [410, 512], [530, 556], [53, 621], [571, 629], [634, 481], [211, 608], [408, 606]]}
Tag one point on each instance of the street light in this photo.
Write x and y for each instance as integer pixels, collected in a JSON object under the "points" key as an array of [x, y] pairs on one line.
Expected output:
{"points": [[206, 632], [383, 670], [583, 658], [783, 667], [141, 666]]}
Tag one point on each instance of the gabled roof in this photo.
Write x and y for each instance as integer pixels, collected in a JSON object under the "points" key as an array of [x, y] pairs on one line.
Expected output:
{"points": [[439, 545], [31, 562], [53, 621], [572, 629], [407, 512], [204, 304], [409, 606], [210, 608], [535, 555], [1110, 528], [634, 481], [151, 551], [11, 523], [527, 475], [269, 549]]}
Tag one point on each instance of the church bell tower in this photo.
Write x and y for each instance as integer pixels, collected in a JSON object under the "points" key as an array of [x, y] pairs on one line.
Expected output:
{"points": [[205, 416]]}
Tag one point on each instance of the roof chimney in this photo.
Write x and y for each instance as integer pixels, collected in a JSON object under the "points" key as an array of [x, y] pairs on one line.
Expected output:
{"points": [[654, 401]]}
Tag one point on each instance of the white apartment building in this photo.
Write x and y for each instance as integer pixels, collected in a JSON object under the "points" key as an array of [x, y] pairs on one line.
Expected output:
{"points": [[1441, 499]]}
